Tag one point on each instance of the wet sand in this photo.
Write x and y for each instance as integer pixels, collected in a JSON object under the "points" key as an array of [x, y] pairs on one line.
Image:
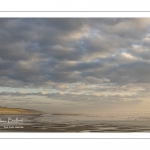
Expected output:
{"points": [[69, 123]]}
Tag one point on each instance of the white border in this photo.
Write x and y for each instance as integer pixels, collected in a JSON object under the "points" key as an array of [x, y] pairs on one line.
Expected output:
{"points": [[74, 5], [74, 14], [64, 135]]}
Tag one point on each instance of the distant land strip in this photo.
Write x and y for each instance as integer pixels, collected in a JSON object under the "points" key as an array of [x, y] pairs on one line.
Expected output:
{"points": [[5, 110]]}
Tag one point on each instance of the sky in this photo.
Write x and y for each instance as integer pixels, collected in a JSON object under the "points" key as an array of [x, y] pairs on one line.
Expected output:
{"points": [[75, 65]]}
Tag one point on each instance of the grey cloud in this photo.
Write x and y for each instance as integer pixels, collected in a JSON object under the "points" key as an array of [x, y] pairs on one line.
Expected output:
{"points": [[68, 50]]}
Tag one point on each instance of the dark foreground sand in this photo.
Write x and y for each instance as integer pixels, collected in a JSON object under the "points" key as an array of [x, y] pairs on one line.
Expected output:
{"points": [[80, 128]]}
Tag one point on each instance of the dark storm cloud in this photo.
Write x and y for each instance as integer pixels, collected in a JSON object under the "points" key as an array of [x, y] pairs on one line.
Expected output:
{"points": [[64, 50]]}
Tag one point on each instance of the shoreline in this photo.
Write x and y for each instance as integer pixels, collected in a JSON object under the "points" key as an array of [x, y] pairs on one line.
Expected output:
{"points": [[36, 122]]}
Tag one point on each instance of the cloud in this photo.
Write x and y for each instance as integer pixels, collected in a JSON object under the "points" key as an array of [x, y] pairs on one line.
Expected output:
{"points": [[41, 51], [75, 55]]}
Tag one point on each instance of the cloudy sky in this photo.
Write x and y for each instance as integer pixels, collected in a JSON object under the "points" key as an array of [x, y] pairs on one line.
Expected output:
{"points": [[75, 65]]}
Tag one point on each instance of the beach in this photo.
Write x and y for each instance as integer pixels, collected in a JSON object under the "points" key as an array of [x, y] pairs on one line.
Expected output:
{"points": [[73, 123]]}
